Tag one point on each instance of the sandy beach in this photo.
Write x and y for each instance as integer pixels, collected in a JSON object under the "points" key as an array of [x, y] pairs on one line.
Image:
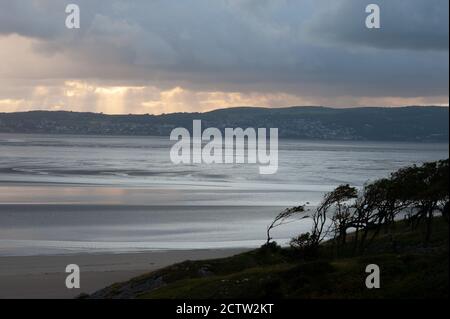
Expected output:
{"points": [[43, 277]]}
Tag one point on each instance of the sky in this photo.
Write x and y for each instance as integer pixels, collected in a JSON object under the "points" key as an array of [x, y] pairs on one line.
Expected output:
{"points": [[163, 56]]}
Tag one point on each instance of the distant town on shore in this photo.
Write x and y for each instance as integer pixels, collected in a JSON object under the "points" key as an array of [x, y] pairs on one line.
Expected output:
{"points": [[412, 124]]}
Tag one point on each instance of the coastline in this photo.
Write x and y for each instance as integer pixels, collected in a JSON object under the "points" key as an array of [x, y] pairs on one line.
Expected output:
{"points": [[43, 277]]}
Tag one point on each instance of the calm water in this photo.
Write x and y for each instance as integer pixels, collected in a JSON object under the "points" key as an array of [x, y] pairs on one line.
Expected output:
{"points": [[65, 194]]}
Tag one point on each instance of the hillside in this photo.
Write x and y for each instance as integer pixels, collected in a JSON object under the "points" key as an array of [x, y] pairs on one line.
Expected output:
{"points": [[383, 124], [408, 270]]}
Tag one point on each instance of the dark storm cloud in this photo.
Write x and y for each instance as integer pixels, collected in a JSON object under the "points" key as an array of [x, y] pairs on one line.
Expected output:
{"points": [[302, 47], [31, 18], [410, 25]]}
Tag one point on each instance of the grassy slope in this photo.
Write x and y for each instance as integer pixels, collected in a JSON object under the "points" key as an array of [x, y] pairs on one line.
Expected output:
{"points": [[409, 271]]}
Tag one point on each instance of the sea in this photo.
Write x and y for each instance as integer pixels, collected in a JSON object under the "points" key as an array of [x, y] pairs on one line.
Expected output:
{"points": [[63, 194]]}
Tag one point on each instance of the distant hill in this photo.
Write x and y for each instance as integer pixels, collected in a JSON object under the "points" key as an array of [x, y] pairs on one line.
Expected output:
{"points": [[384, 124]]}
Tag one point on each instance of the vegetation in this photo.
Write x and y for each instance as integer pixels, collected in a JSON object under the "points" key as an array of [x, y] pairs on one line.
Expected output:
{"points": [[400, 223], [414, 193], [385, 124]]}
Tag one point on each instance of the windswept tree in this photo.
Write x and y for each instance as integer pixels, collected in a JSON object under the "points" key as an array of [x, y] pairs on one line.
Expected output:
{"points": [[286, 216], [342, 217], [331, 211], [335, 201], [423, 191]]}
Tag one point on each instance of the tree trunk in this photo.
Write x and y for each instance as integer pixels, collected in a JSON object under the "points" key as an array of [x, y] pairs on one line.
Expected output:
{"points": [[429, 226]]}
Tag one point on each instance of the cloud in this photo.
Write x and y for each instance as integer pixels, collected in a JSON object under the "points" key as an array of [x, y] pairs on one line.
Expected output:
{"points": [[113, 99], [260, 52], [410, 25]]}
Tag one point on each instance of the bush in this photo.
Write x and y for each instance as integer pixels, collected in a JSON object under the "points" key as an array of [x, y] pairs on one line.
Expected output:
{"points": [[305, 244], [271, 247]]}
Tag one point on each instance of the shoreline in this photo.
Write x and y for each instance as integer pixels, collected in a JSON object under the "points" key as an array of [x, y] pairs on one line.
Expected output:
{"points": [[43, 277]]}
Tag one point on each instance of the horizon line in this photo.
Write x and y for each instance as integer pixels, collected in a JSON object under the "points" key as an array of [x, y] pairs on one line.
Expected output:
{"points": [[236, 107]]}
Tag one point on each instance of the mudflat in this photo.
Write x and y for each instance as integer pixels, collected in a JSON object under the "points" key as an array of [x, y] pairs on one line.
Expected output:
{"points": [[42, 277]]}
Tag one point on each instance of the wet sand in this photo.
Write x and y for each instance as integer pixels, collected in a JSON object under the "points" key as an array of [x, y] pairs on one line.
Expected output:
{"points": [[43, 277]]}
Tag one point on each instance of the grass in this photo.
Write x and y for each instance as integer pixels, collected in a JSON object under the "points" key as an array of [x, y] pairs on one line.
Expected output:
{"points": [[409, 269]]}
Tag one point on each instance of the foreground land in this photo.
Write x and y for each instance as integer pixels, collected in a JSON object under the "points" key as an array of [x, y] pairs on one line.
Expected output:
{"points": [[409, 269], [44, 276]]}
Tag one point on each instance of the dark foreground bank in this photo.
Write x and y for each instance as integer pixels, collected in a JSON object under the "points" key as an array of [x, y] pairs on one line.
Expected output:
{"points": [[409, 269]]}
